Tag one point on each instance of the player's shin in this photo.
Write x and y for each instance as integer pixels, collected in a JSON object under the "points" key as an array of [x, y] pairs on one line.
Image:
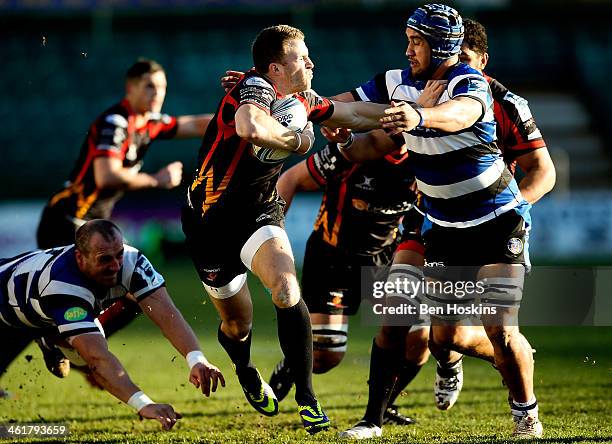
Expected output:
{"points": [[295, 336], [239, 351], [384, 368]]}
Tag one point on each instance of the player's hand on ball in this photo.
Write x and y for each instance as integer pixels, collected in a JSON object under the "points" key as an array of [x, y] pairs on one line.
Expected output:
{"points": [[400, 117], [164, 413], [337, 135], [206, 377], [170, 176], [230, 79], [432, 92]]}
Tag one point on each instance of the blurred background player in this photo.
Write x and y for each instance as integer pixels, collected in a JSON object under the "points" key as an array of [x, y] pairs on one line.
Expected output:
{"points": [[233, 219], [70, 285], [357, 225], [108, 165], [471, 199]]}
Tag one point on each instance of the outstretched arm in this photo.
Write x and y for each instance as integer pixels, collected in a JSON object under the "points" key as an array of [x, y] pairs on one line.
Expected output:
{"points": [[368, 146], [161, 310], [109, 173], [110, 374], [192, 126], [361, 116]]}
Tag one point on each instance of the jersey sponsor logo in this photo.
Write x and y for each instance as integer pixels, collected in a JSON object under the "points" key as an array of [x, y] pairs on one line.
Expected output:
{"points": [[263, 217], [367, 184], [75, 314], [515, 246], [257, 81], [211, 273]]}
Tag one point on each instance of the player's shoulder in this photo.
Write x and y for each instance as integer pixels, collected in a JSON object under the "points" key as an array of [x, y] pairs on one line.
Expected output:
{"points": [[397, 77], [166, 119], [117, 115], [254, 79], [461, 70], [133, 259], [131, 254], [498, 89], [64, 277]]}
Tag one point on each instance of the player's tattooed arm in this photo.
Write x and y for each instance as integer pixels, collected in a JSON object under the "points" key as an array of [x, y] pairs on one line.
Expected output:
{"points": [[161, 310]]}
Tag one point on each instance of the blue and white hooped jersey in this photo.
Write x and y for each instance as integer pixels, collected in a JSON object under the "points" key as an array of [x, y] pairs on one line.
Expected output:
{"points": [[462, 174], [45, 289]]}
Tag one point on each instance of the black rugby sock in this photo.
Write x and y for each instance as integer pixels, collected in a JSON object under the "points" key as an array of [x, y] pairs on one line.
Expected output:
{"points": [[295, 337], [238, 351], [407, 373], [384, 366]]}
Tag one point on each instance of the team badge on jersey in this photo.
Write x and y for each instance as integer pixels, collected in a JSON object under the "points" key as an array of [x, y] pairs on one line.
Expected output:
{"points": [[75, 314], [515, 246]]}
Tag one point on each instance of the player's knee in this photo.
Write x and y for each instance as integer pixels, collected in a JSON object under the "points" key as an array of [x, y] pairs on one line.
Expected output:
{"points": [[324, 361], [446, 336], [285, 291], [502, 337], [391, 336], [237, 328]]}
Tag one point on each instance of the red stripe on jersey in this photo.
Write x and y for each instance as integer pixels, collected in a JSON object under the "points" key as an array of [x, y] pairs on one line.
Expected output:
{"points": [[396, 157], [332, 238], [313, 171], [212, 195]]}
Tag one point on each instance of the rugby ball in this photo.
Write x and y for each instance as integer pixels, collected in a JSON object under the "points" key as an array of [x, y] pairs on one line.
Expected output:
{"points": [[291, 113]]}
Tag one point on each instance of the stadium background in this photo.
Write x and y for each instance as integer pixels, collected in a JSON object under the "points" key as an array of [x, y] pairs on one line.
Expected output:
{"points": [[63, 62]]}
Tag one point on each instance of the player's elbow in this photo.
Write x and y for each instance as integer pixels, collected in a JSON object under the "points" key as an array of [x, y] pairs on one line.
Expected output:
{"points": [[248, 130], [109, 181], [550, 174]]}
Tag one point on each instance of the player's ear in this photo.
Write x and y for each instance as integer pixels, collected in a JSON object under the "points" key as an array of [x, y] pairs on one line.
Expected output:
{"points": [[274, 68], [484, 60], [79, 257]]}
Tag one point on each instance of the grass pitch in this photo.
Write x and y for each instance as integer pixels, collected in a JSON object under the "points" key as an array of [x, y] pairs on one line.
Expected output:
{"points": [[573, 385]]}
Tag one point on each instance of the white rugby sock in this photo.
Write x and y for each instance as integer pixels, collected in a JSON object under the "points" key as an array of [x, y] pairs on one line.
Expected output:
{"points": [[520, 409]]}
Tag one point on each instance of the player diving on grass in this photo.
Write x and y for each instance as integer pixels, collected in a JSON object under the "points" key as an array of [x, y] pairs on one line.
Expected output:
{"points": [[233, 218], [108, 165], [59, 293]]}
